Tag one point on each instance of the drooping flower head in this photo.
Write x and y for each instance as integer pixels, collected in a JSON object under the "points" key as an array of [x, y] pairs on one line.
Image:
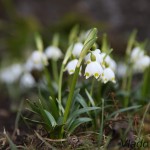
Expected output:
{"points": [[27, 81], [71, 66], [11, 74], [108, 62], [53, 52], [77, 49], [96, 53], [37, 60], [136, 54], [108, 75], [93, 69]]}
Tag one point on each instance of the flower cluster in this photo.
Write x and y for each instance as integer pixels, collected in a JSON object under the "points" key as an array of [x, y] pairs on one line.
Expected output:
{"points": [[139, 60], [98, 64], [36, 61]]}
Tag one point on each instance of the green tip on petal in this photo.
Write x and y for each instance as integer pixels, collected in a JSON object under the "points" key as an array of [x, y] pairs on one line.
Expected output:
{"points": [[96, 75]]}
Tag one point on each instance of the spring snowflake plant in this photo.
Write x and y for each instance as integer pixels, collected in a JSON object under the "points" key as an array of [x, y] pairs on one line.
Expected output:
{"points": [[61, 115]]}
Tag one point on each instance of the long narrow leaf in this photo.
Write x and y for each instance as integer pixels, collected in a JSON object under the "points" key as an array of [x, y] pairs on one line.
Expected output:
{"points": [[124, 109], [90, 98], [78, 122], [51, 118], [81, 111]]}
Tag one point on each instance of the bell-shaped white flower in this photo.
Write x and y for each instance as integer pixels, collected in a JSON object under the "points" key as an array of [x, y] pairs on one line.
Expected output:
{"points": [[77, 49], [97, 55], [11, 74], [71, 66], [53, 52], [121, 69], [27, 81], [136, 54], [37, 60], [39, 57], [93, 69], [141, 64], [108, 62], [108, 75]]}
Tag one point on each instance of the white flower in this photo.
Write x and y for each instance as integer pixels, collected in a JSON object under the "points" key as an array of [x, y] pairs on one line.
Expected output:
{"points": [[136, 54], [39, 57], [93, 69], [11, 74], [77, 49], [53, 52], [108, 75], [121, 69], [108, 62], [37, 60], [71, 66], [97, 54], [141, 64], [27, 81]]}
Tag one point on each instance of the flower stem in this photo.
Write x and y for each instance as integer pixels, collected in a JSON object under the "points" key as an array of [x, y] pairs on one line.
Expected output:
{"points": [[69, 100], [55, 70], [126, 102], [48, 78], [93, 82], [102, 123]]}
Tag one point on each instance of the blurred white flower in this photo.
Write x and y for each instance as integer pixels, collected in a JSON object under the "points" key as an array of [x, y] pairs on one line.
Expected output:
{"points": [[37, 60], [77, 49], [93, 69], [141, 64], [11, 74], [108, 75], [121, 69], [108, 62], [97, 54], [53, 52], [71, 66], [27, 81], [136, 53]]}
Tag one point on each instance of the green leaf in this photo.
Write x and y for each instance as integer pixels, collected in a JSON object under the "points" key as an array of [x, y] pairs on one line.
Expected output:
{"points": [[124, 109], [51, 118], [81, 101], [78, 122], [80, 111], [90, 98]]}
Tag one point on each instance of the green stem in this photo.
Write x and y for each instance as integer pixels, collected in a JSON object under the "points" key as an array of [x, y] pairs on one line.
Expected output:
{"points": [[102, 123], [48, 78], [60, 82], [55, 70], [69, 100], [126, 102], [99, 91], [93, 82]]}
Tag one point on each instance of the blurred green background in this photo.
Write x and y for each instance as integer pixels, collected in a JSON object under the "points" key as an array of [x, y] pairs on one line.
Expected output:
{"points": [[20, 19]]}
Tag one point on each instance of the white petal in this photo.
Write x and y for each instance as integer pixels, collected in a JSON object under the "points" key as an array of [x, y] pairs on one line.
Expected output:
{"points": [[53, 52], [77, 49], [141, 64], [93, 69], [121, 69], [27, 81], [108, 75], [71, 66], [96, 53], [11, 74], [136, 54]]}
